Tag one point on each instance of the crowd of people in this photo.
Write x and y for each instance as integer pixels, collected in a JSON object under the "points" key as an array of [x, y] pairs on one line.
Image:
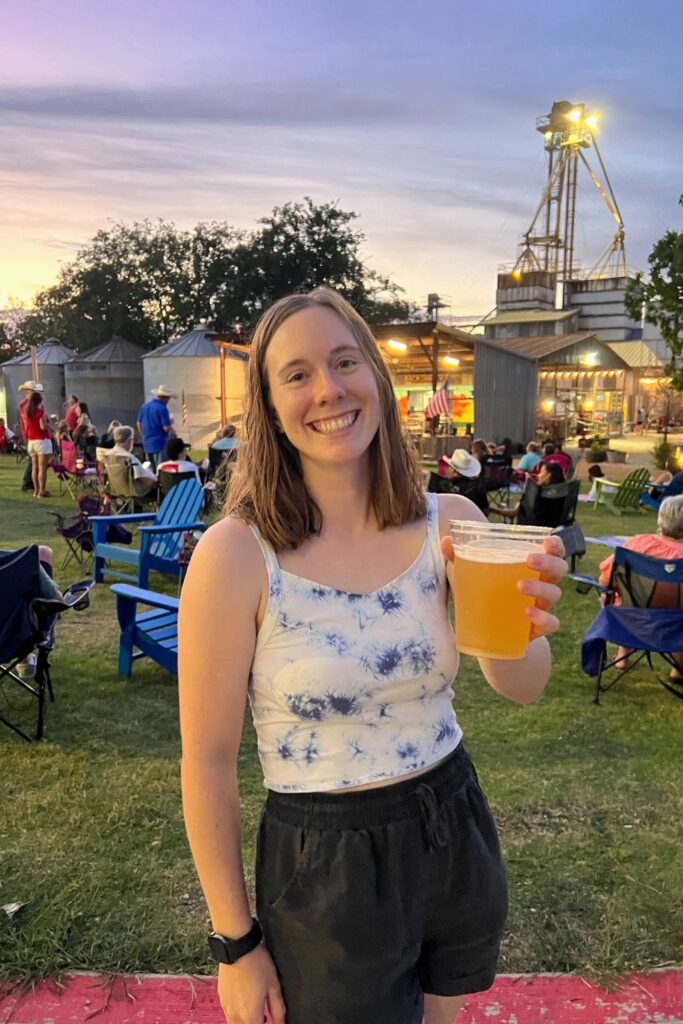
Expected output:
{"points": [[473, 474], [43, 435]]}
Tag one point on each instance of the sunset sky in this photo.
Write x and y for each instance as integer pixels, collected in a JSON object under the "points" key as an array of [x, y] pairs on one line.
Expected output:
{"points": [[419, 117]]}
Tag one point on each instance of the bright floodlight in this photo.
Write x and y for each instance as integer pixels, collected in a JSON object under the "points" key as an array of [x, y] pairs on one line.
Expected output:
{"points": [[592, 121], [574, 114], [451, 360], [399, 346]]}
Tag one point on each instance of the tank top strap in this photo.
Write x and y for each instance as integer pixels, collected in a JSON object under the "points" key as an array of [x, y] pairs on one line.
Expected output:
{"points": [[274, 584], [434, 535]]}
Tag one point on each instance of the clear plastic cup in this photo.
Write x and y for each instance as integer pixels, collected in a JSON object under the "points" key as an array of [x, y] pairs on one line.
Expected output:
{"points": [[490, 559]]}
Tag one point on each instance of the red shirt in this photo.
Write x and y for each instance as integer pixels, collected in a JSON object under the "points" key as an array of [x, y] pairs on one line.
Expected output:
{"points": [[71, 417], [34, 431]]}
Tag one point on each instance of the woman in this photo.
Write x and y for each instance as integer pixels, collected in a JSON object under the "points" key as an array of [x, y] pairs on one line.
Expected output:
{"points": [[667, 543], [39, 441], [548, 475], [348, 676], [62, 432], [84, 427], [107, 438]]}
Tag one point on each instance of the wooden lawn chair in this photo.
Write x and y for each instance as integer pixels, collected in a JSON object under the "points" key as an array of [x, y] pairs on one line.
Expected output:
{"points": [[161, 538], [626, 495]]}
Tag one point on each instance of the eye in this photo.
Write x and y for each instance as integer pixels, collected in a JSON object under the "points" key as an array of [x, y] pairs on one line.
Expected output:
{"points": [[347, 363], [295, 377]]}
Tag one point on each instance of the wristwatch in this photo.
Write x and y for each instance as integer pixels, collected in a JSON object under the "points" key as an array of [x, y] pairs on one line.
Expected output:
{"points": [[229, 951]]}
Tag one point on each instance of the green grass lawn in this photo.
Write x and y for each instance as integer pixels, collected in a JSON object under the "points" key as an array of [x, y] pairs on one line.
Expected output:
{"points": [[588, 802]]}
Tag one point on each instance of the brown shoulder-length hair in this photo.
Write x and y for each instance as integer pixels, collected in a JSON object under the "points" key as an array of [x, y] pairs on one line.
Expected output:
{"points": [[267, 486]]}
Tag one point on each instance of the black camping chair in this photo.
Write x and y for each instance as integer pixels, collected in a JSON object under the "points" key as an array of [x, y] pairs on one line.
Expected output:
{"points": [[498, 475], [553, 505], [27, 626], [647, 620], [167, 481]]}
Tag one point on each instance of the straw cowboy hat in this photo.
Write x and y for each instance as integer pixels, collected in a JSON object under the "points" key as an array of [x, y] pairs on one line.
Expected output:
{"points": [[162, 392], [30, 385], [464, 463]]}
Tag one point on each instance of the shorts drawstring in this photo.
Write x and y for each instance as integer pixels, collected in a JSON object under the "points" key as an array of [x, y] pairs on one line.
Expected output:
{"points": [[435, 833]]}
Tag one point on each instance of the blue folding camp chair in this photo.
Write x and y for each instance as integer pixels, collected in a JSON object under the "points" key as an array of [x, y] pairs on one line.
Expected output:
{"points": [[27, 625], [648, 622]]}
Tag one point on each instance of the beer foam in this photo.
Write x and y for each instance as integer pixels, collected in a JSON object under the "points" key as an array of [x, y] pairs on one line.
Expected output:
{"points": [[497, 553]]}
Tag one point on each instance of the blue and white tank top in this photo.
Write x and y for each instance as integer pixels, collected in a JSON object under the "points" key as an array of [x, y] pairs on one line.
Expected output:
{"points": [[347, 689]]}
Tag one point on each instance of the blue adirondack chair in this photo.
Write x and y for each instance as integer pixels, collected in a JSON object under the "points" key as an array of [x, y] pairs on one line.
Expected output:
{"points": [[160, 540], [146, 634]]}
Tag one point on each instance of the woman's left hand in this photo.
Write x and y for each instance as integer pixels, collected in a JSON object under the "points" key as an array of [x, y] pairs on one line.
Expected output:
{"points": [[553, 568]]}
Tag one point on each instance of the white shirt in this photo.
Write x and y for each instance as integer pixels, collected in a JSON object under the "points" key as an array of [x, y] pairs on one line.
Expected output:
{"points": [[179, 466], [139, 471]]}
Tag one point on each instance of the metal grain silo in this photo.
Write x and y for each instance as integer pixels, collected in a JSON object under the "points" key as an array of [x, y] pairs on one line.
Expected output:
{"points": [[51, 359], [190, 367], [109, 379]]}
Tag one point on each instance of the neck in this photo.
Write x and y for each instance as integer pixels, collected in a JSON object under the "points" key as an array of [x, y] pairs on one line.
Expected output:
{"points": [[342, 493]]}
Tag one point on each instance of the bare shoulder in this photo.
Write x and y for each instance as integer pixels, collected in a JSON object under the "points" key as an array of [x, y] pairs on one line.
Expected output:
{"points": [[228, 555], [455, 506]]}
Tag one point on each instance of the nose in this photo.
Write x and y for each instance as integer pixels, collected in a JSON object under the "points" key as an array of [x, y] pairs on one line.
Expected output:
{"points": [[329, 387]]}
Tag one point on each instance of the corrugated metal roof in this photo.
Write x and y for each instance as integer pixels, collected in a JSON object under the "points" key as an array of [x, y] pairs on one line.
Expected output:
{"points": [[548, 344], [635, 353], [531, 316], [52, 353], [195, 343], [116, 350]]}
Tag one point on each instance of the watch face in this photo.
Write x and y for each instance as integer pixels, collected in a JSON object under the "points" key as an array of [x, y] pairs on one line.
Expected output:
{"points": [[219, 950]]}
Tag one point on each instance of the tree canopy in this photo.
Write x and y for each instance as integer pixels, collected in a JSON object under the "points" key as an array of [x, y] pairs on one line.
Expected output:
{"points": [[149, 281], [662, 297]]}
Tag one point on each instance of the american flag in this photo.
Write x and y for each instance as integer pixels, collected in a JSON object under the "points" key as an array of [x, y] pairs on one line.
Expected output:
{"points": [[185, 412], [440, 402]]}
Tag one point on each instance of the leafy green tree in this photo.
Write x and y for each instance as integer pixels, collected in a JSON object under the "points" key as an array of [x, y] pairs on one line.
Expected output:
{"points": [[662, 299], [301, 246]]}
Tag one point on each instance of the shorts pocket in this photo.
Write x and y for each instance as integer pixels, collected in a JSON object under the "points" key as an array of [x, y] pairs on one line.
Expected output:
{"points": [[282, 856]]}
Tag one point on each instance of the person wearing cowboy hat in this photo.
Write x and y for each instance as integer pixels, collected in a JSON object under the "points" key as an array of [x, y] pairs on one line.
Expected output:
{"points": [[29, 387], [154, 424], [464, 476]]}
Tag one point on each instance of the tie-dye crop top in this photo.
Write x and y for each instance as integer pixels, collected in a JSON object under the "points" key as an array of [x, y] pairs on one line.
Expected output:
{"points": [[347, 689]]}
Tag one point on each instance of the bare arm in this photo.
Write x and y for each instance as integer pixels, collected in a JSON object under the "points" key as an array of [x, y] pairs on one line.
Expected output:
{"points": [[216, 640], [524, 680]]}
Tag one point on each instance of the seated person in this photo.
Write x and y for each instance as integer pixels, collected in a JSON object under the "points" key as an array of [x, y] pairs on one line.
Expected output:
{"points": [[226, 440], [7, 436], [666, 488], [177, 460], [107, 438], [596, 473], [145, 480], [480, 450], [62, 433], [463, 476], [553, 453], [529, 461], [548, 475], [26, 669], [666, 543]]}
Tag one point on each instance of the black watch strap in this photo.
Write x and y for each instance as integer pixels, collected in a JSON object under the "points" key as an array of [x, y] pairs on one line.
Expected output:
{"points": [[229, 951]]}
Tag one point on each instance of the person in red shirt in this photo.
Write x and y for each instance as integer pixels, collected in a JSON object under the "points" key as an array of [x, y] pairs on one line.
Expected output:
{"points": [[28, 387], [39, 442], [72, 413]]}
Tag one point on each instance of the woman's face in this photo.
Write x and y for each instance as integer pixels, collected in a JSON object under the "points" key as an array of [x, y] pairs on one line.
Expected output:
{"points": [[322, 389], [544, 476]]}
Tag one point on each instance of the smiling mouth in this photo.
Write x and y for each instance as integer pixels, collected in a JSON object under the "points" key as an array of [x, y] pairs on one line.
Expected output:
{"points": [[335, 424]]}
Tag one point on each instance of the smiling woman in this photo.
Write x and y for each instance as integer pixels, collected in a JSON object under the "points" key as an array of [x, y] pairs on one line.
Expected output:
{"points": [[323, 596]]}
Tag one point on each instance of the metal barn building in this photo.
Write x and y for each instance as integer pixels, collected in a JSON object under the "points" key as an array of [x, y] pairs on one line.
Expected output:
{"points": [[109, 379], [51, 359], [190, 367]]}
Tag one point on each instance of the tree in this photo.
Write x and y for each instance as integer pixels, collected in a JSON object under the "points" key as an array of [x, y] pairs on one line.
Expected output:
{"points": [[298, 247], [662, 299], [149, 281]]}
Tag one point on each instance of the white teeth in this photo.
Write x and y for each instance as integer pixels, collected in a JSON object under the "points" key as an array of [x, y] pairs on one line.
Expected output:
{"points": [[335, 425]]}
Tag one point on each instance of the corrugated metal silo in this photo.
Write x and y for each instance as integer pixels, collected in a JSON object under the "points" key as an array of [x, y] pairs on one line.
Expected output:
{"points": [[190, 367], [51, 359], [109, 379]]}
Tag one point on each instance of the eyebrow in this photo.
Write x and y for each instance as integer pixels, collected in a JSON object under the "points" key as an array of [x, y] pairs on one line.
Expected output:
{"points": [[302, 359]]}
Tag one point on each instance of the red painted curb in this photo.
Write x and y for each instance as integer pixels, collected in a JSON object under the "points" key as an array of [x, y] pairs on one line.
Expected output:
{"points": [[655, 998]]}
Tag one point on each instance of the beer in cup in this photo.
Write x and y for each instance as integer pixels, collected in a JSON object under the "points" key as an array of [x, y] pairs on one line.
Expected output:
{"points": [[490, 558]]}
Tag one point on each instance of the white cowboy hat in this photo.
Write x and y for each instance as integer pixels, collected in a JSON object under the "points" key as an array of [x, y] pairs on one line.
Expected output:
{"points": [[162, 392], [30, 385], [464, 463]]}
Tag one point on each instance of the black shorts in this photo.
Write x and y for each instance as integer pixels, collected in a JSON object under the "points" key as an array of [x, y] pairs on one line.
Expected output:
{"points": [[369, 899]]}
